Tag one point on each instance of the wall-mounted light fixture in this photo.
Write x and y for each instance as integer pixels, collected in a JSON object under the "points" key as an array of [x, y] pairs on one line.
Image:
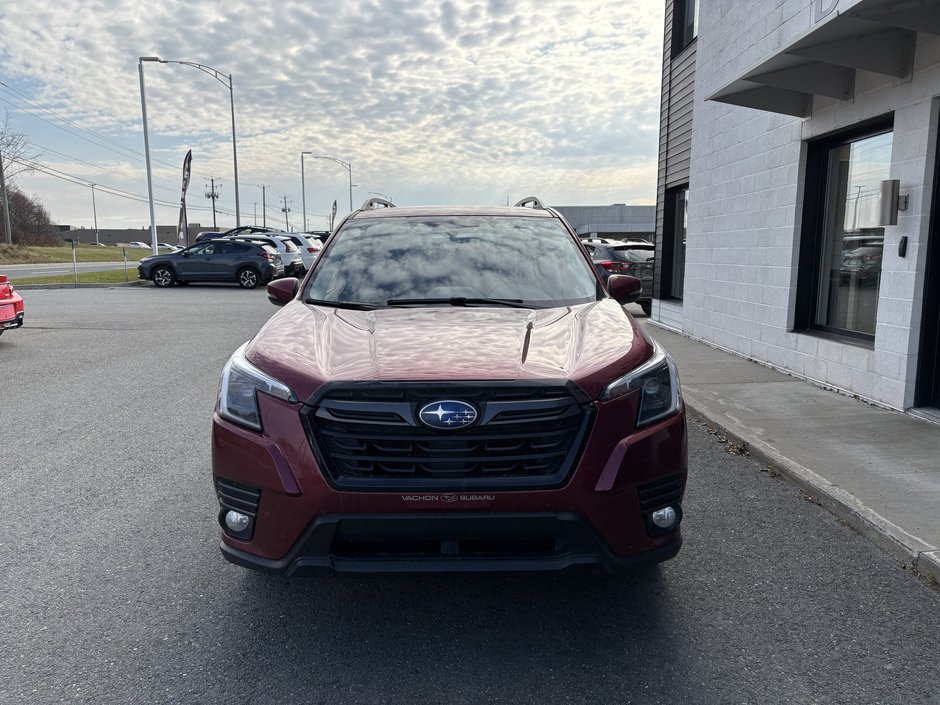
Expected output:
{"points": [[890, 202]]}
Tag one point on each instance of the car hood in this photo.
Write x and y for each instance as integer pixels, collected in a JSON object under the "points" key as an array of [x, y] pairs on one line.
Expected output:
{"points": [[305, 345]]}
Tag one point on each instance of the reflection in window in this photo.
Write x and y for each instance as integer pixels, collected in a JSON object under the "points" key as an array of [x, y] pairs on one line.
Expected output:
{"points": [[377, 259], [684, 24], [852, 242], [676, 224]]}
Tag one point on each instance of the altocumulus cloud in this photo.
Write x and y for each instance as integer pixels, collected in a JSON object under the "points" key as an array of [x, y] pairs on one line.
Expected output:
{"points": [[448, 101]]}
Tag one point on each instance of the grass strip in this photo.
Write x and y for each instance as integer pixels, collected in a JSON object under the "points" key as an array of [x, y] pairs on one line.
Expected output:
{"points": [[111, 276], [27, 254]]}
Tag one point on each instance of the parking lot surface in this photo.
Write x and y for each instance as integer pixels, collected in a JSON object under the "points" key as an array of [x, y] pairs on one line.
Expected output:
{"points": [[112, 588]]}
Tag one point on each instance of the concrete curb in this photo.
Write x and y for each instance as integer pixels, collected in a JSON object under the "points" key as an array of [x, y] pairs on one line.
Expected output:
{"points": [[915, 554]]}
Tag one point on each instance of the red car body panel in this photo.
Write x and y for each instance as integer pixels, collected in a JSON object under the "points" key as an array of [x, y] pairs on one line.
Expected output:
{"points": [[12, 309], [592, 344]]}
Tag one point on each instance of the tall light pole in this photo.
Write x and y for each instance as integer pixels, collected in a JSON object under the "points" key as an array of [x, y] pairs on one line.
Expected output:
{"points": [[143, 110], [225, 80], [303, 188], [348, 167]]}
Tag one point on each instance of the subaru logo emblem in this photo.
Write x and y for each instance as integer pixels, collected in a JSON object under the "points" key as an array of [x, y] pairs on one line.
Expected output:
{"points": [[447, 414]]}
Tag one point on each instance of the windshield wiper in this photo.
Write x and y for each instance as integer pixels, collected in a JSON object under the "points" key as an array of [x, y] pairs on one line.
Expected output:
{"points": [[354, 305], [459, 301]]}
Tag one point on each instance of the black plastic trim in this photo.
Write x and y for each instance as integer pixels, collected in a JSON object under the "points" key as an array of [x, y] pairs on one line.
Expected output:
{"points": [[389, 391], [577, 545]]}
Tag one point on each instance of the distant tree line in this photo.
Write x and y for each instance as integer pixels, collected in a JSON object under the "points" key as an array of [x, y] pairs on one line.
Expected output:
{"points": [[30, 222]]}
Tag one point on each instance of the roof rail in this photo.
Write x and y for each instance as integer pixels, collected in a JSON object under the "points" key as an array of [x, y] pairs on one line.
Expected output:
{"points": [[530, 201], [373, 203]]}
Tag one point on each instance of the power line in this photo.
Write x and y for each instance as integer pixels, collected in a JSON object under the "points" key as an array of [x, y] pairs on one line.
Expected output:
{"points": [[120, 149], [110, 190]]}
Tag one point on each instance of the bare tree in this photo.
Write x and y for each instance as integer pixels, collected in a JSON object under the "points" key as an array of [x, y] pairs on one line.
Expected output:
{"points": [[29, 220], [15, 151]]}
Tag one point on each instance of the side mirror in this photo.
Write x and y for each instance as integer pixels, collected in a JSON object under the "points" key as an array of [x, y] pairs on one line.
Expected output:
{"points": [[281, 291], [624, 288], [186, 253]]}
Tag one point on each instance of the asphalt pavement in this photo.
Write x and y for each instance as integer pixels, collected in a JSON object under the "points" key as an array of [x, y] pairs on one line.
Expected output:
{"points": [[876, 469], [112, 588]]}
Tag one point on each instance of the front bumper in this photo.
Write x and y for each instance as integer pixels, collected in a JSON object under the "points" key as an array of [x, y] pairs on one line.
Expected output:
{"points": [[448, 543], [598, 519]]}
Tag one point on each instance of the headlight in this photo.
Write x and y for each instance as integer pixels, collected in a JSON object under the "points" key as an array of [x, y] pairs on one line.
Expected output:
{"points": [[657, 379], [241, 382]]}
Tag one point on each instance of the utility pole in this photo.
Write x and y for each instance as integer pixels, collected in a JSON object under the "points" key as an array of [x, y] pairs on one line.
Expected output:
{"points": [[94, 211], [264, 209], [7, 232], [256, 214], [213, 194], [285, 210]]}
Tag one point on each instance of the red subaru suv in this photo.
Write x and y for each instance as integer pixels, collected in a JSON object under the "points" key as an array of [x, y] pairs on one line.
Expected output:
{"points": [[450, 389]]}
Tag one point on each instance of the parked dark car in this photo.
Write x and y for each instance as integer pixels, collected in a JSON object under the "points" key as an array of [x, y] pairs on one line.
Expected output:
{"points": [[861, 257], [632, 257], [244, 263], [434, 398], [234, 232]]}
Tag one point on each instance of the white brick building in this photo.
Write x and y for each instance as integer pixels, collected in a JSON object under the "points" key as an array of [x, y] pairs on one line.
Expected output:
{"points": [[804, 112]]}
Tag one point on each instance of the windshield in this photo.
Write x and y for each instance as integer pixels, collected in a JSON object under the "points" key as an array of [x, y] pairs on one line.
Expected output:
{"points": [[377, 260], [634, 254]]}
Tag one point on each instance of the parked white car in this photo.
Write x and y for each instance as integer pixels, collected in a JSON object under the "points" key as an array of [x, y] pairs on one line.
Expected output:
{"points": [[290, 253], [138, 245], [308, 246]]}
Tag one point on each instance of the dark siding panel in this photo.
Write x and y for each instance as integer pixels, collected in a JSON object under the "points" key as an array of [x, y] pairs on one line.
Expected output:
{"points": [[675, 130]]}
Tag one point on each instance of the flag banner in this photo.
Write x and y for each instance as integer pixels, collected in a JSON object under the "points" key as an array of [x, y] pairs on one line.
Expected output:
{"points": [[183, 230]]}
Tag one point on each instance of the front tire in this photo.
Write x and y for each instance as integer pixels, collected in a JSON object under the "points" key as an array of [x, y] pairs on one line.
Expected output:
{"points": [[248, 278], [163, 277]]}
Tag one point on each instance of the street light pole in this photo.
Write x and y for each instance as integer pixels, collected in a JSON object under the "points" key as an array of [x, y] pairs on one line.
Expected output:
{"points": [[225, 80], [231, 96], [348, 167], [303, 189], [143, 110]]}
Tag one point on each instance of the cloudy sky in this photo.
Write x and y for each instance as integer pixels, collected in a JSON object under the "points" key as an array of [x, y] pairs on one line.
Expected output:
{"points": [[431, 102]]}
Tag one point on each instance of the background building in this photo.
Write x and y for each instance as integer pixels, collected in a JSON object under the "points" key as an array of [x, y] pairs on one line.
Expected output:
{"points": [[112, 236], [616, 222], [806, 234]]}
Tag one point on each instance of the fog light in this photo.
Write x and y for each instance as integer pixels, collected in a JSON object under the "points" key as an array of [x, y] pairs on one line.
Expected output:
{"points": [[237, 522], [663, 518]]}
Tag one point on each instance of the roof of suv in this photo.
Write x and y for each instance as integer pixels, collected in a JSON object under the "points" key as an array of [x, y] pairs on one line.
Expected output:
{"points": [[412, 211]]}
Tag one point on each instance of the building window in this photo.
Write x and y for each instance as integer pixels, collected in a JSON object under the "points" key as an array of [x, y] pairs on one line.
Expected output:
{"points": [[684, 24], [841, 253], [675, 226]]}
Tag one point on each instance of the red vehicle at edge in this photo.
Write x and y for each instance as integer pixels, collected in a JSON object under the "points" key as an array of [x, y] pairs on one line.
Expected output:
{"points": [[11, 305], [450, 389]]}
